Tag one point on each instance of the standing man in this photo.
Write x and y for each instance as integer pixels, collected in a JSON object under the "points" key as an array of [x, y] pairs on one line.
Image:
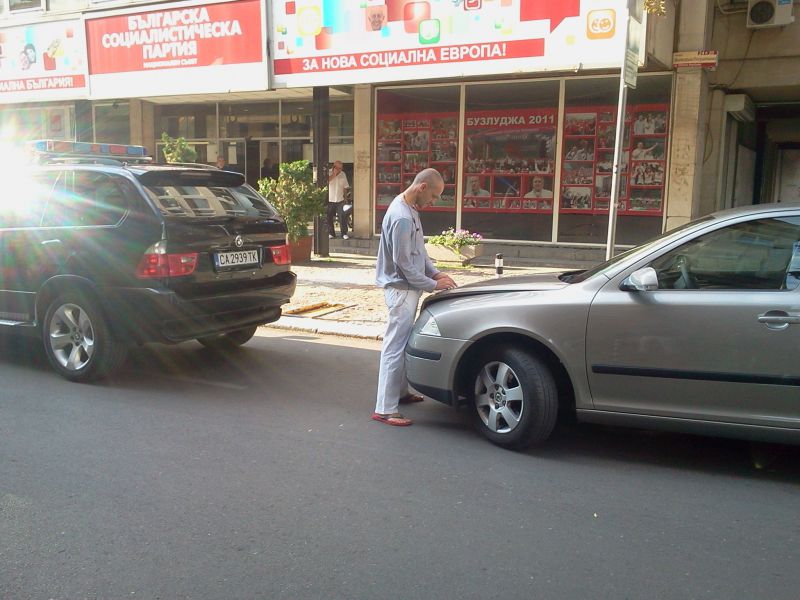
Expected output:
{"points": [[404, 271], [221, 162], [337, 184]]}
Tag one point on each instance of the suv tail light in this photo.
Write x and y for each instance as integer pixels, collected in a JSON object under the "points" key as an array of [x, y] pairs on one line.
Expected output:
{"points": [[281, 255], [156, 263]]}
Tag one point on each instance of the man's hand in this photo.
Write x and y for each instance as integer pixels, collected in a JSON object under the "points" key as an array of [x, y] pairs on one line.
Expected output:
{"points": [[444, 282]]}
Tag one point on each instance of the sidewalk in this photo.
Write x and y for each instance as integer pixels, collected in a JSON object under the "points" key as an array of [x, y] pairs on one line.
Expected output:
{"points": [[338, 296]]}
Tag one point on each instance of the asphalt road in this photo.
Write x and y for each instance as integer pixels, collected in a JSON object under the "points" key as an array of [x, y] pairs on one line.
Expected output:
{"points": [[260, 475]]}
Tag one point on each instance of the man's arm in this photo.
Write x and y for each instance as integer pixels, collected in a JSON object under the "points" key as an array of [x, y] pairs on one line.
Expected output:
{"points": [[402, 242]]}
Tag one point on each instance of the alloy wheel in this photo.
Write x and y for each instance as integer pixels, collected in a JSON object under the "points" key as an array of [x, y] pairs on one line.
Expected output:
{"points": [[499, 397], [72, 339]]}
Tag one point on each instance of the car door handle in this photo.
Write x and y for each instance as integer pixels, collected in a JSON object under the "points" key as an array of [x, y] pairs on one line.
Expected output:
{"points": [[778, 319]]}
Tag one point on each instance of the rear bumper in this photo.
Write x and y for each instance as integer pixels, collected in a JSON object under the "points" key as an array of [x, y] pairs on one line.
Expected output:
{"points": [[161, 315]]}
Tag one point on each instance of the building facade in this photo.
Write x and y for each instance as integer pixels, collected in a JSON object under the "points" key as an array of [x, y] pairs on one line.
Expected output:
{"points": [[515, 102]]}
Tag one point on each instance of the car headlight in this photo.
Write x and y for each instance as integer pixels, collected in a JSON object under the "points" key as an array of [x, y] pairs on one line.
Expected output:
{"points": [[429, 325]]}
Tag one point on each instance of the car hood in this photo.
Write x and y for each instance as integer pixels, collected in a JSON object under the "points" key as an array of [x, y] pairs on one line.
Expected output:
{"points": [[523, 283]]}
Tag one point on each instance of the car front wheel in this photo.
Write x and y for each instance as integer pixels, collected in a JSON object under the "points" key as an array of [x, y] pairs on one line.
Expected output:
{"points": [[515, 398], [229, 340], [77, 339]]}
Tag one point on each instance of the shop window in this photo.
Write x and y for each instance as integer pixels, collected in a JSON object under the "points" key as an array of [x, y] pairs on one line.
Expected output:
{"points": [[341, 118], [410, 140], [20, 5], [191, 121], [509, 162], [249, 119], [589, 131], [32, 122], [296, 119], [112, 123]]}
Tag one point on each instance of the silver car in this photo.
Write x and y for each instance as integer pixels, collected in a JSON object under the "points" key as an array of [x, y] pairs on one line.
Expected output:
{"points": [[695, 331]]}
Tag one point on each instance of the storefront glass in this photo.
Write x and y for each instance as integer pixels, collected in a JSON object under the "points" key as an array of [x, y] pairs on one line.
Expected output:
{"points": [[589, 131], [417, 128], [190, 121], [251, 119], [509, 161], [297, 119], [112, 122], [37, 122]]}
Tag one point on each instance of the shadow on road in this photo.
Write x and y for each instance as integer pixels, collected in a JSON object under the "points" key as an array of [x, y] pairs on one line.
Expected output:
{"points": [[272, 369]]}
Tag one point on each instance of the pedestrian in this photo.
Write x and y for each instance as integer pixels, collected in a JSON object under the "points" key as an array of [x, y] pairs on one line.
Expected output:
{"points": [[337, 183], [404, 271], [268, 170], [220, 161]]}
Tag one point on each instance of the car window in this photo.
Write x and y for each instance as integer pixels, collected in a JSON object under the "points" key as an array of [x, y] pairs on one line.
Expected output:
{"points": [[607, 268], [23, 207], [204, 201], [762, 254], [85, 198]]}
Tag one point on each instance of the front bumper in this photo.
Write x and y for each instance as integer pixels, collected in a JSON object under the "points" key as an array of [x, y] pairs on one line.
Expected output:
{"points": [[431, 364], [161, 315]]}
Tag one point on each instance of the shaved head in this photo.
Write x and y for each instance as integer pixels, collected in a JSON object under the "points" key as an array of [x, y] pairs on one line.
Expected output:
{"points": [[430, 176]]}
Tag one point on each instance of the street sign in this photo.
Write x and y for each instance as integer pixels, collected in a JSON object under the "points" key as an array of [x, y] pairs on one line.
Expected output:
{"points": [[633, 46], [706, 59]]}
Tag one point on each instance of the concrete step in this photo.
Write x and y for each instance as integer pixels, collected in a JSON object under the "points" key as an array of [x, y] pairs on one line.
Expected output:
{"points": [[573, 257]]}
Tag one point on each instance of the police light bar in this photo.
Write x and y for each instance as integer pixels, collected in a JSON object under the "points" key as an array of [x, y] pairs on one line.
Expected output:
{"points": [[86, 148]]}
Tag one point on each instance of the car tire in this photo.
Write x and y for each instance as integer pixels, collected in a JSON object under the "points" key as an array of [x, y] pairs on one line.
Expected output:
{"points": [[78, 340], [229, 340], [515, 398]]}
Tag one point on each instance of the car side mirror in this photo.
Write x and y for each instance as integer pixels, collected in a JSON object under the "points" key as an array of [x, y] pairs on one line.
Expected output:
{"points": [[643, 280]]}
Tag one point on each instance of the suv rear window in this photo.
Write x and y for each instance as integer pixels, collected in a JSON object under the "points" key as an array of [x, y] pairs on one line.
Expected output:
{"points": [[204, 195]]}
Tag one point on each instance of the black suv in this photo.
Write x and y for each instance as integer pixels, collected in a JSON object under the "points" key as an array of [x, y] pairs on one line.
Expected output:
{"points": [[99, 253]]}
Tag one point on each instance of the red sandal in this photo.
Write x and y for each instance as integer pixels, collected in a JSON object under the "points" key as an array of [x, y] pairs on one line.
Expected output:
{"points": [[395, 419]]}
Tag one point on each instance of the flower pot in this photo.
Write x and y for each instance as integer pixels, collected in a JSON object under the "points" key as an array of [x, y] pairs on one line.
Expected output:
{"points": [[442, 254], [301, 249]]}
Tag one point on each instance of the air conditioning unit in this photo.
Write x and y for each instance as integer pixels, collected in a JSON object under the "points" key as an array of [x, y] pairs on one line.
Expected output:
{"points": [[769, 13], [740, 107]]}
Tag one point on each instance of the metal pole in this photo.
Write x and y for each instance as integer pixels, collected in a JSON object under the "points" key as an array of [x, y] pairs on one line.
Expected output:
{"points": [[618, 141], [612, 202], [321, 137]]}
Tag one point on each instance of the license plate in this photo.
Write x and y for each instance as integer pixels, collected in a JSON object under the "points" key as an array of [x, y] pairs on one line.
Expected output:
{"points": [[236, 259]]}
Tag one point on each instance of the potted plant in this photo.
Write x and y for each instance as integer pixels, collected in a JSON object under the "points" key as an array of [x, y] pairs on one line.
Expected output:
{"points": [[455, 245], [298, 200], [177, 150]]}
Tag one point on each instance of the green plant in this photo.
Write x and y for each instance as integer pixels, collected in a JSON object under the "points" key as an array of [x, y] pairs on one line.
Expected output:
{"points": [[295, 196], [455, 239], [177, 150]]}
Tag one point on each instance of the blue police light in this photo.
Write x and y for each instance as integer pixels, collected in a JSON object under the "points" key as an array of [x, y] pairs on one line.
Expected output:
{"points": [[86, 148]]}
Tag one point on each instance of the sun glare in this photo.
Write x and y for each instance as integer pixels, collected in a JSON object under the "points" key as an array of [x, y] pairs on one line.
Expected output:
{"points": [[15, 173]]}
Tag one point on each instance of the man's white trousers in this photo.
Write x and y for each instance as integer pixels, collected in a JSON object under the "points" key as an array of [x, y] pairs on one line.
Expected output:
{"points": [[392, 382]]}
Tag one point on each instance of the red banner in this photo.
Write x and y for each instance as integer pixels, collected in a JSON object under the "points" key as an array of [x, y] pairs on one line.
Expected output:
{"points": [[63, 82], [411, 57], [195, 36]]}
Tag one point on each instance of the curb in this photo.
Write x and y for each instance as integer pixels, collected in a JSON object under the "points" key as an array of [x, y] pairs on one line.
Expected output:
{"points": [[341, 328]]}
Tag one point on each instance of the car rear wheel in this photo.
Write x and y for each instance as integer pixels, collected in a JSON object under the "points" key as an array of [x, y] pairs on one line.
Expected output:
{"points": [[78, 341], [229, 340], [515, 398]]}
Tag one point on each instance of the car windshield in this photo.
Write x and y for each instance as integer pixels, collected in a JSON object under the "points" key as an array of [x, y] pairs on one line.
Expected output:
{"points": [[607, 267], [209, 201]]}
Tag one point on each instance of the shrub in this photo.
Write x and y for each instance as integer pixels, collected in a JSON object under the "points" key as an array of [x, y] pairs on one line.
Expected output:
{"points": [[295, 196], [455, 239], [177, 150]]}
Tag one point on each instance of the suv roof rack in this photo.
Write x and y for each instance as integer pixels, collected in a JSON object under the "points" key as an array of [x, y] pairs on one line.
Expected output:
{"points": [[62, 151]]}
